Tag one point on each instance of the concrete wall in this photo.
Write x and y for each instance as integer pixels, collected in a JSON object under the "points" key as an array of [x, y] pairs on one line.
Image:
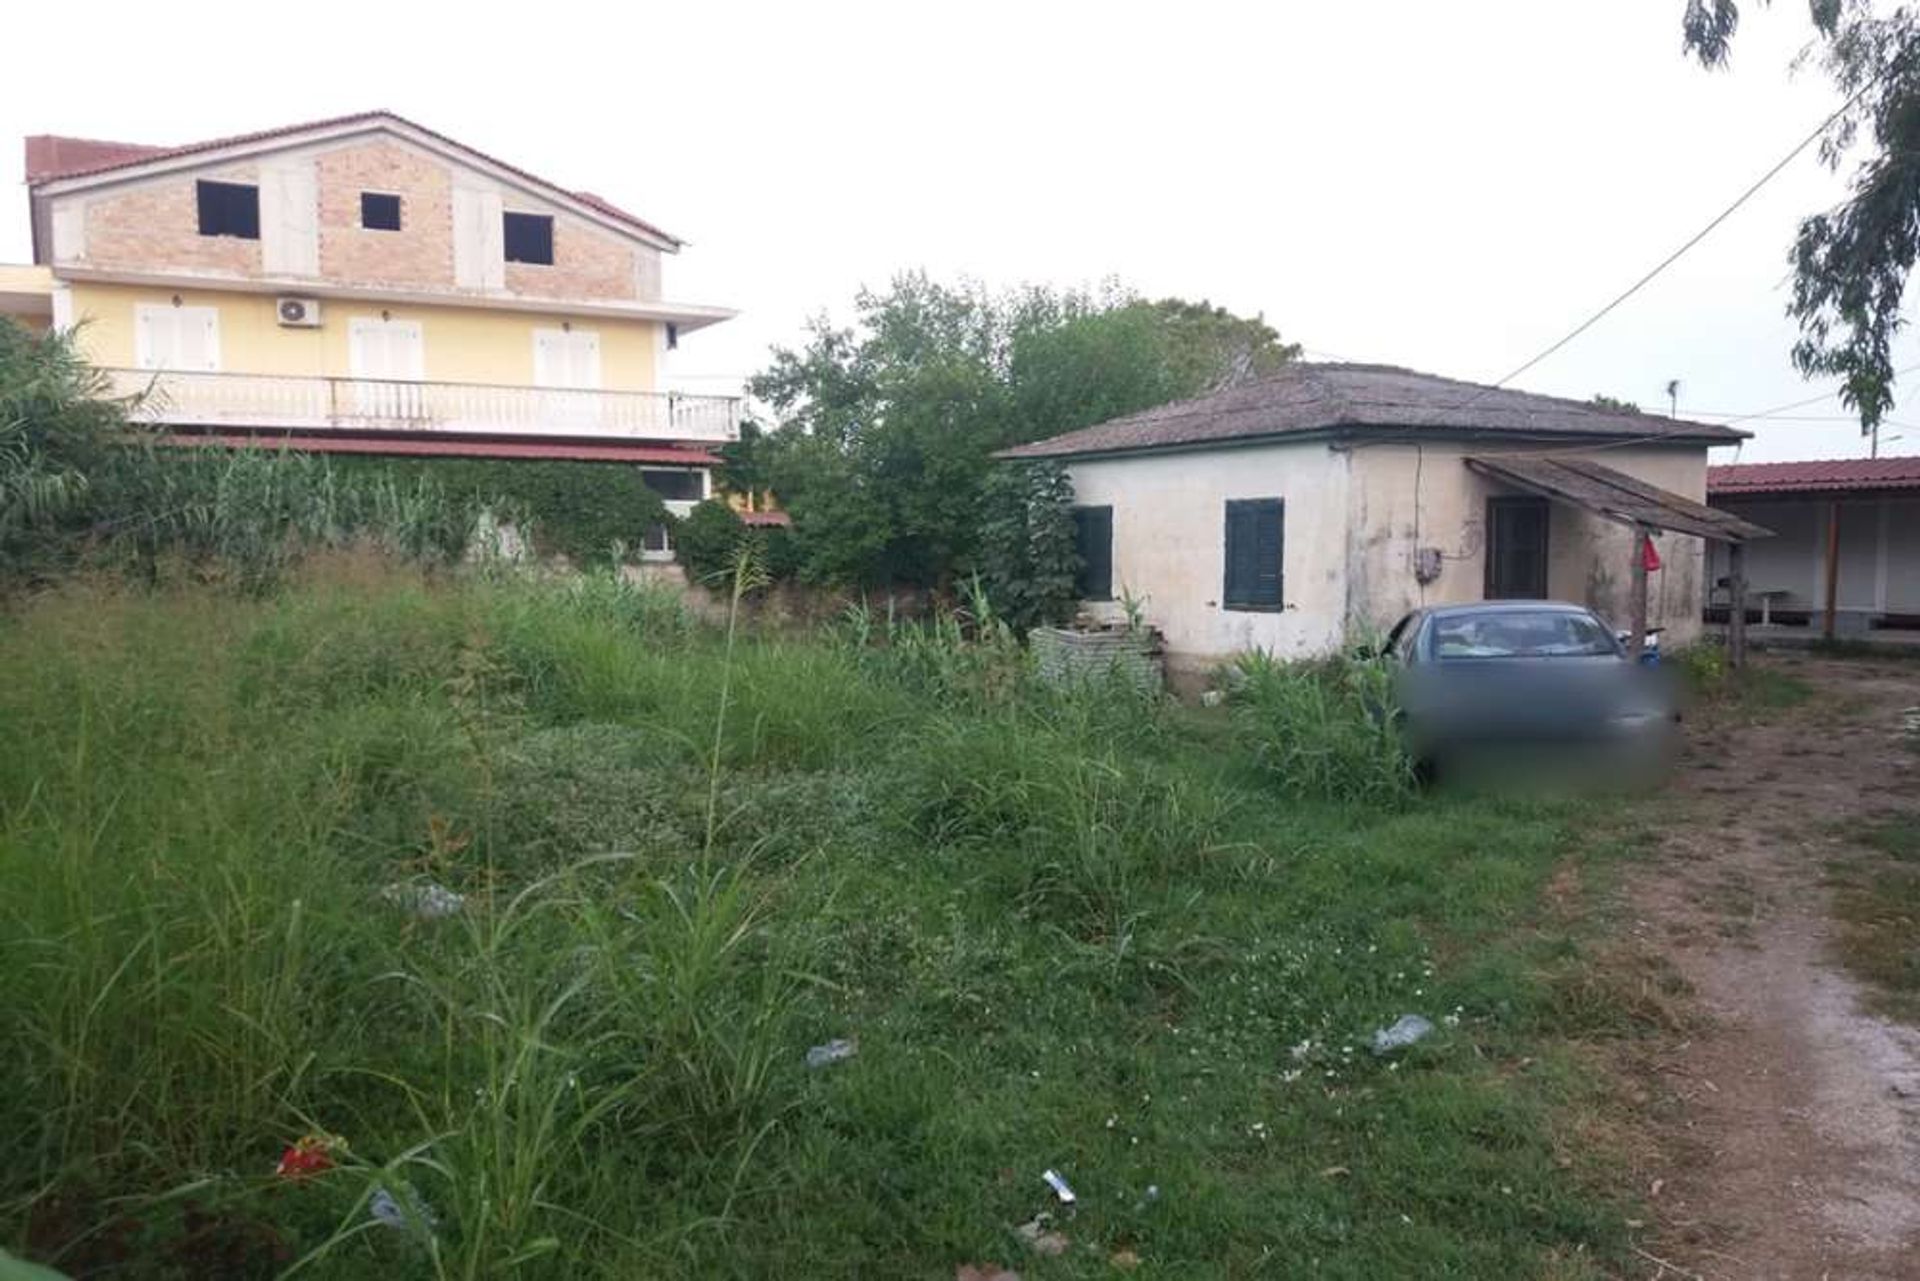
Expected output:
{"points": [[1406, 497], [1169, 520], [310, 228], [462, 344], [1879, 562], [1354, 519]]}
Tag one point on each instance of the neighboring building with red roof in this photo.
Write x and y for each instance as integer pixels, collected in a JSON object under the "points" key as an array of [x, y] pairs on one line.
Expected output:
{"points": [[364, 284], [1847, 540]]}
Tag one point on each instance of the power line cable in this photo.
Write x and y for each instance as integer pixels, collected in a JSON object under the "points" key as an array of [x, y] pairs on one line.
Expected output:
{"points": [[1693, 240]]}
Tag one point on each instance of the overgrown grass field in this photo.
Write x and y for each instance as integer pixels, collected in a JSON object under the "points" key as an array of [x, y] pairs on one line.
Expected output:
{"points": [[1086, 932]]}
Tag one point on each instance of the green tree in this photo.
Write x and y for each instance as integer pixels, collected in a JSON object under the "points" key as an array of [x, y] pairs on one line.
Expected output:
{"points": [[887, 427], [1603, 401], [1851, 264]]}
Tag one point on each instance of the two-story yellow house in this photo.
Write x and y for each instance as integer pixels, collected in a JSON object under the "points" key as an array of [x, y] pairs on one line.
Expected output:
{"points": [[367, 285]]}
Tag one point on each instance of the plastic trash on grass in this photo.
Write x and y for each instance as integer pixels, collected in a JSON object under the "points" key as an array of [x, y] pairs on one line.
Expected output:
{"points": [[833, 1051], [428, 900], [1406, 1030]]}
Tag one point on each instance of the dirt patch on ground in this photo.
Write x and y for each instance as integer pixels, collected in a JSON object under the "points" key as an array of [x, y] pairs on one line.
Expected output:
{"points": [[1787, 1123]]}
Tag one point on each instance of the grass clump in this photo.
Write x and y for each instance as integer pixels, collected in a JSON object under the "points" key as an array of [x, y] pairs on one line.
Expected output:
{"points": [[1074, 929], [1322, 729], [1877, 902]]}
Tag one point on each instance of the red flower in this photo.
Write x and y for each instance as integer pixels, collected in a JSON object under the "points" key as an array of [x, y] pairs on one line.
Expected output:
{"points": [[311, 1155]]}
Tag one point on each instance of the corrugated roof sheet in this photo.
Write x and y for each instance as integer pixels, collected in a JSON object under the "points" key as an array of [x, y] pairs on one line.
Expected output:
{"points": [[1814, 476], [1613, 493], [469, 447], [1306, 397], [50, 156]]}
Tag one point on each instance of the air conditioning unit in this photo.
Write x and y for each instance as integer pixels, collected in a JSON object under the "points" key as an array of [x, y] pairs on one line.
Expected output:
{"points": [[299, 313]]}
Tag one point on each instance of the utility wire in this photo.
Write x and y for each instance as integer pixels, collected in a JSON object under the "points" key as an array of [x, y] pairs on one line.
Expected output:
{"points": [[1695, 239], [1811, 400]]}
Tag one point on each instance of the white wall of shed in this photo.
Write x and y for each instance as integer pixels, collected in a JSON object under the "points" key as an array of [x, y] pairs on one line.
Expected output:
{"points": [[1879, 552], [1169, 544]]}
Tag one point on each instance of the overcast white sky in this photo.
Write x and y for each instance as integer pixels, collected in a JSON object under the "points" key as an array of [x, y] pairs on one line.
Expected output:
{"points": [[1449, 186]]}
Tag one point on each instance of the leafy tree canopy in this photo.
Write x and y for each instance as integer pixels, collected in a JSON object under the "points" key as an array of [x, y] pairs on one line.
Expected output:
{"points": [[1851, 263], [1603, 401], [886, 428]]}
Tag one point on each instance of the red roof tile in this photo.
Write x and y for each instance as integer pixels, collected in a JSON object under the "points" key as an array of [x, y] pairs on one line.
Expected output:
{"points": [[50, 157], [426, 447], [1814, 475]]}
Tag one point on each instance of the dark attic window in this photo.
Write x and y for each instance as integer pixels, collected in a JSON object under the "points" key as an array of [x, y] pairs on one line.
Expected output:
{"points": [[229, 209], [379, 211], [528, 238]]}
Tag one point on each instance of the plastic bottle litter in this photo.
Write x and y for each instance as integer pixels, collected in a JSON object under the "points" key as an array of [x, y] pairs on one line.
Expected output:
{"points": [[832, 1052], [1406, 1029], [414, 1217], [1059, 1186], [428, 900]]}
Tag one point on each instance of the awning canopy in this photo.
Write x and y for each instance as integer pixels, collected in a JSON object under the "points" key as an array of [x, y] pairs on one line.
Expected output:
{"points": [[1615, 495]]}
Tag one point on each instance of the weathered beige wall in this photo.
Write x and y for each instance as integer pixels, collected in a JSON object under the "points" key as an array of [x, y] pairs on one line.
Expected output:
{"points": [[1406, 497], [1169, 521]]}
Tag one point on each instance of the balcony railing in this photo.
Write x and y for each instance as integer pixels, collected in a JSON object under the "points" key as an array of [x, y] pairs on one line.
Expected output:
{"points": [[301, 403]]}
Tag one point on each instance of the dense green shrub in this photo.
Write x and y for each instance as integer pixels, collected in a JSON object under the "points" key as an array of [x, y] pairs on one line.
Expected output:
{"points": [[1027, 555], [592, 513], [707, 542]]}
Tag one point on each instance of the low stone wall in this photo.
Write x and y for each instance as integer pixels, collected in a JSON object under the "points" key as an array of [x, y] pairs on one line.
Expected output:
{"points": [[1063, 656]]}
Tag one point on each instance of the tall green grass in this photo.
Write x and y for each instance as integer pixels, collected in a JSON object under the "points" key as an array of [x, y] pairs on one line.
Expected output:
{"points": [[1322, 728], [1077, 929]]}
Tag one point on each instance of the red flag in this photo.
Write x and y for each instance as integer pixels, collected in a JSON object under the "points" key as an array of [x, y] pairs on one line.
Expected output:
{"points": [[1649, 554]]}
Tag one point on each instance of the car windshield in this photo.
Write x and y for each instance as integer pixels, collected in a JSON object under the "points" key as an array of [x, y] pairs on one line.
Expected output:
{"points": [[1521, 634]]}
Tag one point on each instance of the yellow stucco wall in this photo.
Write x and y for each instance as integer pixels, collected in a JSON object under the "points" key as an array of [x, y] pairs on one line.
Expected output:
{"points": [[462, 344]]}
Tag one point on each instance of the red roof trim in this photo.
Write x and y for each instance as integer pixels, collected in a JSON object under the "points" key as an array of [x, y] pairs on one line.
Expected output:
{"points": [[568, 451], [1820, 475], [127, 157]]}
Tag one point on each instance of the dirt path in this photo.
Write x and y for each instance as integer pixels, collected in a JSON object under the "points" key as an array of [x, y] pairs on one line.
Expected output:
{"points": [[1789, 1122]]}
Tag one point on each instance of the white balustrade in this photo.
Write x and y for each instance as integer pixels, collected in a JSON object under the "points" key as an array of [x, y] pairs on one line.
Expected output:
{"points": [[301, 403]]}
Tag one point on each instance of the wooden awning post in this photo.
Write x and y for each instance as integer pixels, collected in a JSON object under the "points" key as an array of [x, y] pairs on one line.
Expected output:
{"points": [[1833, 566], [1737, 611], [1637, 596]]}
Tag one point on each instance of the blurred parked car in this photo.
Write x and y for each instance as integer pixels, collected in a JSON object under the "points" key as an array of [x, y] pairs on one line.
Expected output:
{"points": [[1505, 681]]}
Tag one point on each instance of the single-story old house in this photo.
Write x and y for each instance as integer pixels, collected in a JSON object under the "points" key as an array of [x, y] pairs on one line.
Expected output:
{"points": [[1847, 556], [1293, 513]]}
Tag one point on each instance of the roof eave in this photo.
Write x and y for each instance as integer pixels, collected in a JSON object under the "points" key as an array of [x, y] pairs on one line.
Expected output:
{"points": [[1347, 433]]}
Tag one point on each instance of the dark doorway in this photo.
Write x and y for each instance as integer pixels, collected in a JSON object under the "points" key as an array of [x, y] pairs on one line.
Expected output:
{"points": [[1517, 548]]}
